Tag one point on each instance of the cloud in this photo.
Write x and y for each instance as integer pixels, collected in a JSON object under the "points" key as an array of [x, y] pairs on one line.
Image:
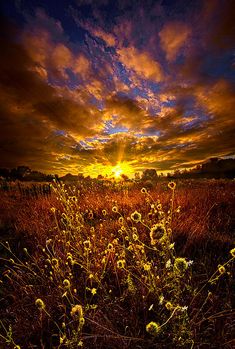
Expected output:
{"points": [[174, 36], [32, 111], [108, 38], [140, 62], [154, 89]]}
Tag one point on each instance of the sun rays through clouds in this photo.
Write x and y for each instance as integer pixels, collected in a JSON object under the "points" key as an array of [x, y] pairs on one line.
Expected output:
{"points": [[87, 86]]}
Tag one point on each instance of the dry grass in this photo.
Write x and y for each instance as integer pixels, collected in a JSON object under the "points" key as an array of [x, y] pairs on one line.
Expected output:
{"points": [[120, 284]]}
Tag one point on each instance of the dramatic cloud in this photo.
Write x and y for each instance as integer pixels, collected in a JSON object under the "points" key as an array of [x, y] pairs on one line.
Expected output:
{"points": [[174, 36], [141, 63], [147, 84]]}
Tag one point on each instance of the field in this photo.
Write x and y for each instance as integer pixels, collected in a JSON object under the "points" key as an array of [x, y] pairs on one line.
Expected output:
{"points": [[118, 266]]}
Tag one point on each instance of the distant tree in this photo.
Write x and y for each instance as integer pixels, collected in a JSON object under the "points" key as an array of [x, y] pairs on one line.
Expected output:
{"points": [[149, 174], [80, 176], [4, 172], [177, 173], [100, 177], [23, 171]]}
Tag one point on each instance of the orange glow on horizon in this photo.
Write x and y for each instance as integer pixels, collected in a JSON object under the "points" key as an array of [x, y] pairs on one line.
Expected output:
{"points": [[110, 171]]}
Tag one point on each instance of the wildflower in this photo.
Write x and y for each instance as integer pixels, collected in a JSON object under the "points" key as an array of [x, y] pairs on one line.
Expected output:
{"points": [[115, 209], [55, 262], [185, 308], [161, 299], [87, 244], [190, 263], [66, 283], [135, 237], [210, 295], [90, 215], [168, 305], [110, 247], [180, 264], [153, 328], [178, 209], [233, 252], [40, 304], [144, 191], [157, 232], [92, 229], [93, 291], [168, 264], [104, 212], [147, 266], [77, 311], [121, 220], [136, 216], [121, 263], [53, 209], [172, 185], [221, 269], [70, 259], [82, 321]]}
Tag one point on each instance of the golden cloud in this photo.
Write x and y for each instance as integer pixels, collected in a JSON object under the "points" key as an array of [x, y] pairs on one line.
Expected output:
{"points": [[108, 38], [173, 37], [141, 63]]}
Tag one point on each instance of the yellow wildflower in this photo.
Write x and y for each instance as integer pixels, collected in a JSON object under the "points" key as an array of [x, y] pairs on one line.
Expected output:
{"points": [[153, 328], [40, 304], [172, 185], [136, 216]]}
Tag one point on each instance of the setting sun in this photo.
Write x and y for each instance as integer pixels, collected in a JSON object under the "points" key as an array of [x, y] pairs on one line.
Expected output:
{"points": [[122, 168], [117, 172]]}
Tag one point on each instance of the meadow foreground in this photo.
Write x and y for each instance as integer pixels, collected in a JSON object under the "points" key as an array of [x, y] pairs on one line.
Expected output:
{"points": [[119, 266]]}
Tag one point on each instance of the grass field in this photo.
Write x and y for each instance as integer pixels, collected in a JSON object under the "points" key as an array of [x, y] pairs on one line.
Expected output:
{"points": [[119, 267]]}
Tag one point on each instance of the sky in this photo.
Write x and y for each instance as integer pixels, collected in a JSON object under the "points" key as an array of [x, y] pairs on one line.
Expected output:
{"points": [[88, 86]]}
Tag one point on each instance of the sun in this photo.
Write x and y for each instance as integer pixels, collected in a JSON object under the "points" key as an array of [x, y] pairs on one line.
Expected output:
{"points": [[120, 169], [111, 171], [117, 172]]}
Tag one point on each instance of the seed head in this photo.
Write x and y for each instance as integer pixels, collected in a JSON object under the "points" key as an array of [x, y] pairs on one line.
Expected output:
{"points": [[232, 252], [180, 264], [87, 244], [40, 304], [172, 185], [77, 311], [55, 262], [168, 305], [153, 328], [66, 283], [121, 263], [221, 269], [136, 216], [115, 209], [157, 232]]}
